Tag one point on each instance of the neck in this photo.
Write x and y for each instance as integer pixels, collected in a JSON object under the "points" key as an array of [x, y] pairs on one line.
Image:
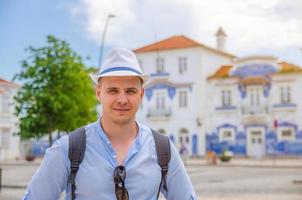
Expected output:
{"points": [[119, 132]]}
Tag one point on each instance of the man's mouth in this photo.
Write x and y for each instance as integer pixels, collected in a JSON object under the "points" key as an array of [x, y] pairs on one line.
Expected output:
{"points": [[121, 109]]}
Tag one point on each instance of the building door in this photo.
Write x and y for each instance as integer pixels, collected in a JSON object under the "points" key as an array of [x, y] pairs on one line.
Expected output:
{"points": [[194, 144], [184, 142], [256, 143]]}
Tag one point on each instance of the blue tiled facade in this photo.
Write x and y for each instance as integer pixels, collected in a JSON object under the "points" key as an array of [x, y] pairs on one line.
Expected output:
{"points": [[272, 145], [244, 123]]}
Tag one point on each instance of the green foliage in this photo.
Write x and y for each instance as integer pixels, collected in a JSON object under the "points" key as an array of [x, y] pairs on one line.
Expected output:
{"points": [[57, 94]]}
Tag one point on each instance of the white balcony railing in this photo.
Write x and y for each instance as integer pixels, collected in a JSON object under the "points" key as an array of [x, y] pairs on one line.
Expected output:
{"points": [[162, 112], [254, 110]]}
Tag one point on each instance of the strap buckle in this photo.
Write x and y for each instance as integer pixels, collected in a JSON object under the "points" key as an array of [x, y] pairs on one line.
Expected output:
{"points": [[164, 169]]}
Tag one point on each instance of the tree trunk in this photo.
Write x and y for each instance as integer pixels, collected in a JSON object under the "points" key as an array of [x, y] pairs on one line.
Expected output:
{"points": [[58, 134], [50, 138]]}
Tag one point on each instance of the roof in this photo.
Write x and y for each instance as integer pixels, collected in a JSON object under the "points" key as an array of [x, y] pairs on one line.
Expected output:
{"points": [[222, 72], [177, 42], [3, 81], [288, 68], [255, 80]]}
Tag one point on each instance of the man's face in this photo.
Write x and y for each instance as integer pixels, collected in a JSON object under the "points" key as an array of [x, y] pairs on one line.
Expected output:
{"points": [[120, 97]]}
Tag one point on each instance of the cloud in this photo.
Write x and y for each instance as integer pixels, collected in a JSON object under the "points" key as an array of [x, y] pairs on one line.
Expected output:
{"points": [[249, 24]]}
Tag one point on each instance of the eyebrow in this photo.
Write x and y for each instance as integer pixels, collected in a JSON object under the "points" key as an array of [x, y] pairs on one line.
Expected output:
{"points": [[116, 88], [131, 88], [112, 88]]}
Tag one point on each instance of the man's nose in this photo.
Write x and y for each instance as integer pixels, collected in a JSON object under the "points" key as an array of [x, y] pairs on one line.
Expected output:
{"points": [[122, 99]]}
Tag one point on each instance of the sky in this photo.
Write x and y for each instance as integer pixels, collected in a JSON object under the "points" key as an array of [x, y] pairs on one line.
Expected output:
{"points": [[253, 27]]}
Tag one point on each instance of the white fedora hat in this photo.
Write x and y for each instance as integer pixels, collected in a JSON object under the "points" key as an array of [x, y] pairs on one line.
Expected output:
{"points": [[120, 62]]}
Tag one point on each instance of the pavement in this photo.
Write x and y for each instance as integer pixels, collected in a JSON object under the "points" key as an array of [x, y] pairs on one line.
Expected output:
{"points": [[11, 167], [292, 162], [235, 161], [239, 179]]}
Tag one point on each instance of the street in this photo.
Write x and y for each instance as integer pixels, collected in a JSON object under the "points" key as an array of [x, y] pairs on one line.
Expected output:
{"points": [[210, 182]]}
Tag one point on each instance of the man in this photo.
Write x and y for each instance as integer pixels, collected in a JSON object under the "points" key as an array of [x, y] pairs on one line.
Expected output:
{"points": [[116, 143]]}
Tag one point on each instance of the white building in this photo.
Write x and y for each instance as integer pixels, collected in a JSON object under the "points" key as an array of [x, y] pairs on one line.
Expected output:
{"points": [[175, 97], [255, 108], [9, 141]]}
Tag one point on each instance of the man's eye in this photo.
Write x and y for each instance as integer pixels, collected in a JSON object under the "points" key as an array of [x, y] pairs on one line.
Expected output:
{"points": [[112, 91], [131, 91]]}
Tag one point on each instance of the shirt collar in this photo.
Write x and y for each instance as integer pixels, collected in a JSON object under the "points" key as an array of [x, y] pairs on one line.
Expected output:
{"points": [[105, 139]]}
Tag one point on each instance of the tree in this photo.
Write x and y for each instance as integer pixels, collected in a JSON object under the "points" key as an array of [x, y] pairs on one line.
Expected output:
{"points": [[57, 94]]}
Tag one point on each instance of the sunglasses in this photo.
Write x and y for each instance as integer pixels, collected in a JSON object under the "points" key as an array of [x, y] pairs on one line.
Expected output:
{"points": [[119, 176]]}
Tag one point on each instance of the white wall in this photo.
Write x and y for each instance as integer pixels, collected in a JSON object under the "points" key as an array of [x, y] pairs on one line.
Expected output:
{"points": [[8, 125], [200, 64]]}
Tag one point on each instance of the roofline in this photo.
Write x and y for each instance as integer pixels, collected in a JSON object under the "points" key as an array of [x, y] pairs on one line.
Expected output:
{"points": [[285, 73], [217, 78], [9, 83], [198, 44], [254, 57]]}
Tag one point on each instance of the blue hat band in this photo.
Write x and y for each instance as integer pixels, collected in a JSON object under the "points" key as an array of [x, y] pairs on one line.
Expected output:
{"points": [[120, 69]]}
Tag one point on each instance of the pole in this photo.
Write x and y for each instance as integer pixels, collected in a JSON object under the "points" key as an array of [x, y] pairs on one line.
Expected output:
{"points": [[103, 39], [0, 171]]}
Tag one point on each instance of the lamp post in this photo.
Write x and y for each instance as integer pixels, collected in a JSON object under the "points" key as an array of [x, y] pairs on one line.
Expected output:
{"points": [[103, 38]]}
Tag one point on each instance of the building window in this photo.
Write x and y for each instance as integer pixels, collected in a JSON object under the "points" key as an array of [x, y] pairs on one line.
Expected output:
{"points": [[160, 101], [160, 65], [254, 95], [5, 138], [226, 134], [182, 65], [183, 99], [257, 96], [226, 98], [5, 103], [140, 62], [184, 136], [286, 134], [285, 95]]}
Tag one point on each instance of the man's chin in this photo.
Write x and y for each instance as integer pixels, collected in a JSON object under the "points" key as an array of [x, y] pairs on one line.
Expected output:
{"points": [[122, 120]]}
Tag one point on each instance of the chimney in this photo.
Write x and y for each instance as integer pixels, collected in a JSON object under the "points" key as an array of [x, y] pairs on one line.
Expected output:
{"points": [[220, 36]]}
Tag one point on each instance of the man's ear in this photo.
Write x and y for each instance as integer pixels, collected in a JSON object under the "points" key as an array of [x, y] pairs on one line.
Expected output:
{"points": [[98, 90]]}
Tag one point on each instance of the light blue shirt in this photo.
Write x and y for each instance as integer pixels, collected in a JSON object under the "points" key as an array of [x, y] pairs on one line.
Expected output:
{"points": [[94, 180]]}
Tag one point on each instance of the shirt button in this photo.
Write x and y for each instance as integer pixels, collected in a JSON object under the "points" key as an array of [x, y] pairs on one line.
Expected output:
{"points": [[114, 156], [108, 142]]}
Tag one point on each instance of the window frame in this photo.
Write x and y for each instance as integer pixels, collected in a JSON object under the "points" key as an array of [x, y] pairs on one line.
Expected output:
{"points": [[160, 64], [286, 138], [182, 64], [229, 139], [183, 99]]}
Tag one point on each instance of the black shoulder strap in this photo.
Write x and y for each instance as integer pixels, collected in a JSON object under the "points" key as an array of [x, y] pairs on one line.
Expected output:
{"points": [[76, 152], [162, 144]]}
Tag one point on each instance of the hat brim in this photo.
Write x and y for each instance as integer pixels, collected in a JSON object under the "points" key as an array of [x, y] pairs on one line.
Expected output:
{"points": [[95, 77]]}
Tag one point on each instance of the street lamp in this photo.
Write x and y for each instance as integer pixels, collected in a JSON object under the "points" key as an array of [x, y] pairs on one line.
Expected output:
{"points": [[103, 38]]}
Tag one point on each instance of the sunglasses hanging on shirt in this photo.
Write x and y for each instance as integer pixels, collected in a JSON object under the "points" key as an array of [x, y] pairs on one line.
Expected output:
{"points": [[119, 176]]}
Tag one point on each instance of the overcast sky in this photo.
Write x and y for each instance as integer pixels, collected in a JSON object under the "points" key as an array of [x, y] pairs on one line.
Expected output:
{"points": [[269, 27]]}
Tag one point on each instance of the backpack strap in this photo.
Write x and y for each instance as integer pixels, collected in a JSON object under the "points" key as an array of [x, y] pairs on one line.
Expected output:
{"points": [[76, 152], [163, 151]]}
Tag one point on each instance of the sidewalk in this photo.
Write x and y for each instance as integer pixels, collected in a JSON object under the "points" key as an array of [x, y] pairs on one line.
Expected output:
{"points": [[235, 161], [295, 162], [37, 162]]}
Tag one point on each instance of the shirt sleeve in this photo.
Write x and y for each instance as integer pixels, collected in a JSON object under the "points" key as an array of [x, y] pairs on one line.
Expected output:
{"points": [[50, 179], [178, 182]]}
